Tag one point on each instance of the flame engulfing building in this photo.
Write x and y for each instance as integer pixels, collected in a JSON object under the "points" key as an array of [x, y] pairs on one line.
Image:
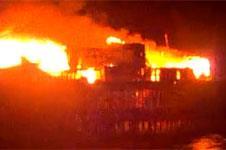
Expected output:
{"points": [[117, 61], [133, 67], [130, 62], [133, 96]]}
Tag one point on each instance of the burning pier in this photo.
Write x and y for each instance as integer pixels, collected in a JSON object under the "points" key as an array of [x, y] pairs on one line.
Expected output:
{"points": [[123, 88], [130, 94], [137, 62]]}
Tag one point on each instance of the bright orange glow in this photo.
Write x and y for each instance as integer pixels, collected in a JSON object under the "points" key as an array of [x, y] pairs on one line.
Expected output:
{"points": [[200, 66], [166, 59], [79, 65], [155, 75], [112, 39], [50, 56], [178, 76], [208, 142], [90, 74]]}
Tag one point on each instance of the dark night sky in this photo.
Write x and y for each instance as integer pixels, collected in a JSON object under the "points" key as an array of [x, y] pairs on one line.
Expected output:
{"points": [[190, 25]]}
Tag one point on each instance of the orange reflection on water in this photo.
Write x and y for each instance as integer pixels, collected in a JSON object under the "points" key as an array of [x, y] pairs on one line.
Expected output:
{"points": [[212, 142]]}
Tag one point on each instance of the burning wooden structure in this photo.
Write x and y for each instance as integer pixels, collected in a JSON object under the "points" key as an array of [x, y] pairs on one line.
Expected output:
{"points": [[124, 95], [118, 87]]}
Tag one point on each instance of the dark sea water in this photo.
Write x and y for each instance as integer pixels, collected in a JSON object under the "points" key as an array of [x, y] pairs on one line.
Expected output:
{"points": [[207, 142]]}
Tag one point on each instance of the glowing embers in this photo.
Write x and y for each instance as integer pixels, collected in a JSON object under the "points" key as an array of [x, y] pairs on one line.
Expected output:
{"points": [[111, 39], [50, 56]]}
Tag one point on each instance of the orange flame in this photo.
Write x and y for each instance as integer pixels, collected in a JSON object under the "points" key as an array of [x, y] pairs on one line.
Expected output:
{"points": [[90, 74], [112, 39], [168, 59], [50, 56]]}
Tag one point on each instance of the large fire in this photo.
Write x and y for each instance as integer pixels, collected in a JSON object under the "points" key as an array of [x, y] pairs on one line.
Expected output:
{"points": [[73, 30], [166, 59], [52, 58], [49, 56]]}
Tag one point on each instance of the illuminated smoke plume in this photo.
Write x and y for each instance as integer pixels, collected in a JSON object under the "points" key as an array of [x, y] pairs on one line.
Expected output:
{"points": [[58, 21], [61, 22]]}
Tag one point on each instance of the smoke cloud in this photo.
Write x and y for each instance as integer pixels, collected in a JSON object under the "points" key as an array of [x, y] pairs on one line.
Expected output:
{"points": [[61, 21]]}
